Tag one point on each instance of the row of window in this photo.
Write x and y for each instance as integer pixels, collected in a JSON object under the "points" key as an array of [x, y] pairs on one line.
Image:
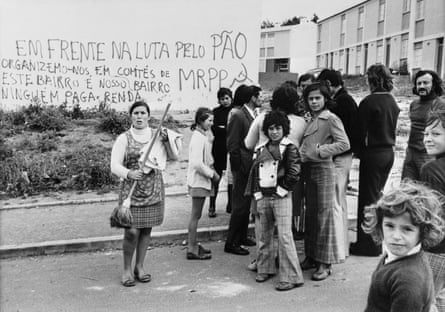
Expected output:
{"points": [[419, 27], [361, 55]]}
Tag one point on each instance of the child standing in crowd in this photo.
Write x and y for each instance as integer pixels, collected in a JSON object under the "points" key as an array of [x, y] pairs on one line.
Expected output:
{"points": [[323, 138], [201, 176], [275, 170], [433, 174], [219, 149], [404, 220]]}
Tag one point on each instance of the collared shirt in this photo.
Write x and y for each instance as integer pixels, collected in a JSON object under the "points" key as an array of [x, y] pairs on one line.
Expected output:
{"points": [[392, 257], [251, 111]]}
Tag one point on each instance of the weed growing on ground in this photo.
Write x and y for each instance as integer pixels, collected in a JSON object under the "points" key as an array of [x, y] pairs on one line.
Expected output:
{"points": [[88, 168], [114, 122]]}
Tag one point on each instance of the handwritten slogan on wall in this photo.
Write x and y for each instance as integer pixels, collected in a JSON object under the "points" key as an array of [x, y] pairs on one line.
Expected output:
{"points": [[88, 65]]}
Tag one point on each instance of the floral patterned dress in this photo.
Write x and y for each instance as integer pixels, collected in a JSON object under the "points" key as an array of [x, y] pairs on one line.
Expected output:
{"points": [[147, 201]]}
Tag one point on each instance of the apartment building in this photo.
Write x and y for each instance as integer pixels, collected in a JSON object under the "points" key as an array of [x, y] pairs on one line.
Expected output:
{"points": [[405, 35], [288, 48]]}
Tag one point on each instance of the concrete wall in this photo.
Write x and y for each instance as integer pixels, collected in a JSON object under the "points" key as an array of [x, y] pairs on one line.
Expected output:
{"points": [[113, 51]]}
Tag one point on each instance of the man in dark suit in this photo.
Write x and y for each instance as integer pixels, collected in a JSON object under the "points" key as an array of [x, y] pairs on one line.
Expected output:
{"points": [[240, 162]]}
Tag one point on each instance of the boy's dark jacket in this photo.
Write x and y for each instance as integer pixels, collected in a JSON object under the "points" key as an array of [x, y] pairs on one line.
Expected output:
{"points": [[288, 171]]}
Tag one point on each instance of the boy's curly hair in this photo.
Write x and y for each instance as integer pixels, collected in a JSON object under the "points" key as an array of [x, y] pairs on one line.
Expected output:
{"points": [[423, 204]]}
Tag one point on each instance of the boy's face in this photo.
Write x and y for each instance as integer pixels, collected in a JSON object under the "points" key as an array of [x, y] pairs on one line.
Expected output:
{"points": [[434, 138], [400, 235], [275, 133], [225, 101]]}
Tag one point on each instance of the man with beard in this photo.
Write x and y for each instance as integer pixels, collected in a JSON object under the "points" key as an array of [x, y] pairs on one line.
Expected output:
{"points": [[428, 86]]}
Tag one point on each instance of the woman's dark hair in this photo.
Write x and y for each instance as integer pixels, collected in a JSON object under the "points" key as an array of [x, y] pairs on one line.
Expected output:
{"points": [[284, 98], [276, 118], [222, 92], [292, 83], [437, 82], [379, 78], [201, 115], [324, 90], [304, 77], [137, 104]]}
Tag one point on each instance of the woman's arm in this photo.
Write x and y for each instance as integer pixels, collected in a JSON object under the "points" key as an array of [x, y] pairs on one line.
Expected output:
{"points": [[341, 141], [117, 157], [196, 157]]}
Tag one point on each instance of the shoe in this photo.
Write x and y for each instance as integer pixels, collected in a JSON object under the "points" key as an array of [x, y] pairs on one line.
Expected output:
{"points": [[128, 282], [248, 242], [193, 256], [144, 278], [212, 214], [308, 263], [355, 250], [262, 277], [283, 286], [322, 275], [252, 266], [236, 250], [202, 250]]}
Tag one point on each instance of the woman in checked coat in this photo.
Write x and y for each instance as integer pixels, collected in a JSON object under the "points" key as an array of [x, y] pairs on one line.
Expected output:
{"points": [[323, 138]]}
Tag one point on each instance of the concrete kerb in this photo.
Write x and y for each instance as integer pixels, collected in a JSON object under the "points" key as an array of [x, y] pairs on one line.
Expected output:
{"points": [[80, 201], [110, 242], [74, 202]]}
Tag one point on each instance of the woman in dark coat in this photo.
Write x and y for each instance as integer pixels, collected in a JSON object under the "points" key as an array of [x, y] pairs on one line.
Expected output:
{"points": [[219, 149]]}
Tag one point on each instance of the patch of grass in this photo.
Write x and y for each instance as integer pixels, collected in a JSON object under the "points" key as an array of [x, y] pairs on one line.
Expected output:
{"points": [[88, 168], [45, 149]]}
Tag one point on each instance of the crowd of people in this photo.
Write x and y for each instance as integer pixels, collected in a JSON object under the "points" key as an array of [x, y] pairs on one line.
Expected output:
{"points": [[287, 167]]}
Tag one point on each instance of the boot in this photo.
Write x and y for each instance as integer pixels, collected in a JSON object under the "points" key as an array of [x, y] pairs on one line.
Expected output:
{"points": [[229, 198]]}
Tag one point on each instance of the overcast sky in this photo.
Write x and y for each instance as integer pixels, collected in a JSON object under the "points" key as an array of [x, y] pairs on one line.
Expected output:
{"points": [[280, 10]]}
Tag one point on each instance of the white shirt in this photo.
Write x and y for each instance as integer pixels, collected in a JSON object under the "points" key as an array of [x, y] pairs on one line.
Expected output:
{"points": [[392, 257]]}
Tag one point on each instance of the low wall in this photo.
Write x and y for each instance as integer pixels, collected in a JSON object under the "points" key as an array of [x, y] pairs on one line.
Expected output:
{"points": [[269, 81]]}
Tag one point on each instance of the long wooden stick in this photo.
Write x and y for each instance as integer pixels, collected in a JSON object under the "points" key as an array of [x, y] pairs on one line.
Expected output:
{"points": [[150, 147]]}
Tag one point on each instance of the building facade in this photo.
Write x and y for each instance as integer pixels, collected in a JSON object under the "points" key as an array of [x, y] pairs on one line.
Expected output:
{"points": [[404, 35], [288, 48]]}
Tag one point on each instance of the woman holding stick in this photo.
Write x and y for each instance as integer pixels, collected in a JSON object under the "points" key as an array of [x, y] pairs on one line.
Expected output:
{"points": [[147, 199]]}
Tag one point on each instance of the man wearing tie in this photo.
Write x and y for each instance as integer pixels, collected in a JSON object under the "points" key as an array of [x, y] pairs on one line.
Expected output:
{"points": [[240, 162]]}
